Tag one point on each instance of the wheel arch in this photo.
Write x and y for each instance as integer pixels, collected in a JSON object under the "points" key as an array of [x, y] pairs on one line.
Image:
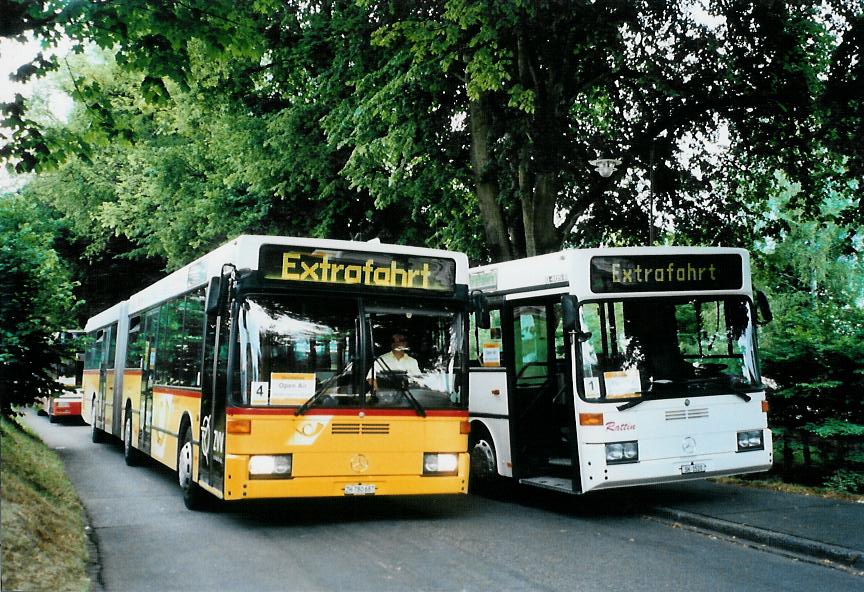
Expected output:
{"points": [[500, 442], [185, 424]]}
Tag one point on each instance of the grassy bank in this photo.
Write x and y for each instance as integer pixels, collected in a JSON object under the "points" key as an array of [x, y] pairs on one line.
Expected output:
{"points": [[43, 540]]}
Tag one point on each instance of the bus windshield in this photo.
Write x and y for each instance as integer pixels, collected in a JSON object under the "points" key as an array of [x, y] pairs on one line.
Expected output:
{"points": [[661, 348], [305, 352], [417, 358]]}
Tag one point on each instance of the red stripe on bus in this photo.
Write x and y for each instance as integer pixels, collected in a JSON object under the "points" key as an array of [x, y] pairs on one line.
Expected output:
{"points": [[177, 391], [92, 371], [354, 412], [136, 372]]}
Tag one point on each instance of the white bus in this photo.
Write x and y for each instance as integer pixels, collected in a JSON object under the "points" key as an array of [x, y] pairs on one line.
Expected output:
{"points": [[603, 368]]}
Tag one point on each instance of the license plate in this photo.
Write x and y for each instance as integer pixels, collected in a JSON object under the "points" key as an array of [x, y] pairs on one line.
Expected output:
{"points": [[694, 468], [360, 489]]}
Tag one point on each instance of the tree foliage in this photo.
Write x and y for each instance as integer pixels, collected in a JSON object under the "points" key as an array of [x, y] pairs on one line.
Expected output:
{"points": [[813, 351], [36, 303], [459, 116]]}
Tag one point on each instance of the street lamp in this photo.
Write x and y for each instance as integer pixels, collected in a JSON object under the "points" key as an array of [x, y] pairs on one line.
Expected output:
{"points": [[605, 166]]}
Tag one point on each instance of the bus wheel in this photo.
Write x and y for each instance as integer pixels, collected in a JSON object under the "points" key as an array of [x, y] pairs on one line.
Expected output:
{"points": [[98, 435], [130, 455], [484, 466], [193, 496]]}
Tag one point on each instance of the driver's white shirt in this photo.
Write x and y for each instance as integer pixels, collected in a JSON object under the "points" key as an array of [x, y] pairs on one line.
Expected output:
{"points": [[389, 361]]}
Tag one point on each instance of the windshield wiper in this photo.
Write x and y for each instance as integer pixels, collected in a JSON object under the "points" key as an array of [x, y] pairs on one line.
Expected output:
{"points": [[314, 398], [741, 395], [406, 392], [630, 404]]}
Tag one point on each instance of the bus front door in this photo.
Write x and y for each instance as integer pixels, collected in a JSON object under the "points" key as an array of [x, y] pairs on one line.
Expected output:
{"points": [[544, 438], [211, 452]]}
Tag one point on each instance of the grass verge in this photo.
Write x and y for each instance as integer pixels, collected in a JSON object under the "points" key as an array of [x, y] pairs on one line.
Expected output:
{"points": [[776, 484], [43, 542]]}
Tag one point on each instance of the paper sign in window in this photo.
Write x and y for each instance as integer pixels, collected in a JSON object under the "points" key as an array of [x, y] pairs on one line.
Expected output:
{"points": [[291, 389], [491, 354], [592, 387], [622, 384], [260, 394]]}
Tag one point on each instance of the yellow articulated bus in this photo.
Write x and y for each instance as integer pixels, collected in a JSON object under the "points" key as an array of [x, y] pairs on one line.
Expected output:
{"points": [[279, 367]]}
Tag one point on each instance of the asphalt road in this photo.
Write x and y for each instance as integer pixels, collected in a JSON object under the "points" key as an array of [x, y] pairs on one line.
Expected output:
{"points": [[523, 539]]}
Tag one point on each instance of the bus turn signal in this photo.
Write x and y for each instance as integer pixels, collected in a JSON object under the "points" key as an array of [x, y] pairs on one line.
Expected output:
{"points": [[239, 426], [590, 419]]}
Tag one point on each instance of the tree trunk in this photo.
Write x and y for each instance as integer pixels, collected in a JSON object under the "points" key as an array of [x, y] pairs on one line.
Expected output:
{"points": [[486, 182], [546, 236], [538, 212]]}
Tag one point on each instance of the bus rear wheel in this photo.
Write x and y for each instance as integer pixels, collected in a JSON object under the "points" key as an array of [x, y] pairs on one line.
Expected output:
{"points": [[194, 497]]}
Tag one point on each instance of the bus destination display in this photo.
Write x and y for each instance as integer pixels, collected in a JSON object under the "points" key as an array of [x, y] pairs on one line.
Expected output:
{"points": [[666, 273], [357, 268]]}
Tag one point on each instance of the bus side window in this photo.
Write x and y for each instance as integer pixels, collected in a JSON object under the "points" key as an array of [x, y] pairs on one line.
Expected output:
{"points": [[170, 336], [485, 345]]}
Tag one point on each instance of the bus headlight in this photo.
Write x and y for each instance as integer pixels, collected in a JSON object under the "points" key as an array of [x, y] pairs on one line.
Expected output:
{"points": [[270, 467], [435, 463], [750, 440], [622, 452]]}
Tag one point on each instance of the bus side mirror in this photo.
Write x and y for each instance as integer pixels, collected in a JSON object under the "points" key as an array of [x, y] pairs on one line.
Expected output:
{"points": [[480, 305], [569, 314], [217, 295], [763, 309], [570, 318], [213, 296]]}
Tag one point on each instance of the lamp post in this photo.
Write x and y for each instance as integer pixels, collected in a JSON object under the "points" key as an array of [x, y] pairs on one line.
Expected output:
{"points": [[607, 166], [651, 197]]}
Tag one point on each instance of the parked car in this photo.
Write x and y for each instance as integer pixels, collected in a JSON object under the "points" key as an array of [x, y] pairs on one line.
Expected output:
{"points": [[66, 405]]}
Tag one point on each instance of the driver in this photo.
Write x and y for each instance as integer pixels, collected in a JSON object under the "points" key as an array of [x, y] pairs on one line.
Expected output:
{"points": [[396, 360]]}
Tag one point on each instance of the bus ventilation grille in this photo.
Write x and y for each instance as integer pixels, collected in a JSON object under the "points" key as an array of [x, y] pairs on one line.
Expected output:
{"points": [[359, 428], [686, 414]]}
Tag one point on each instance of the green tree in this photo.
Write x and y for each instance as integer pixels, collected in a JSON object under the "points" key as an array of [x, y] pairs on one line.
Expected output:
{"points": [[488, 112], [813, 351], [35, 304]]}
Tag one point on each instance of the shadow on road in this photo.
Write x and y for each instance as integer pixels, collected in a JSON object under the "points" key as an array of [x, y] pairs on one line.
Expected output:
{"points": [[624, 502], [327, 511]]}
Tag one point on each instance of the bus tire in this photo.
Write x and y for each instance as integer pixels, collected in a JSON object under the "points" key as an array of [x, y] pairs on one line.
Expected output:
{"points": [[194, 497], [484, 463], [98, 436], [130, 454]]}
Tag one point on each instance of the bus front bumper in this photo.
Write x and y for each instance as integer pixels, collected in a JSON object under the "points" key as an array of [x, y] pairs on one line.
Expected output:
{"points": [[599, 475], [239, 486]]}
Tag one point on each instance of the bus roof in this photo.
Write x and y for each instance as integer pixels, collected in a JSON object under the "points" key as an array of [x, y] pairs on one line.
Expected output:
{"points": [[105, 318], [243, 253], [575, 271]]}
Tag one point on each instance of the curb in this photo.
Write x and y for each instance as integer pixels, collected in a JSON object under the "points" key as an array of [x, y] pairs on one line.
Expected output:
{"points": [[778, 540]]}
